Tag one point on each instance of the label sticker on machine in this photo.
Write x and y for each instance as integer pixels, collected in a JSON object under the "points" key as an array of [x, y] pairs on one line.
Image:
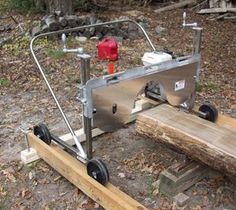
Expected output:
{"points": [[179, 85]]}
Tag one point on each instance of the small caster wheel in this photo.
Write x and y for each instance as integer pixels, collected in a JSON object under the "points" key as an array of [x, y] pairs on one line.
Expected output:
{"points": [[210, 111], [98, 170], [42, 132]]}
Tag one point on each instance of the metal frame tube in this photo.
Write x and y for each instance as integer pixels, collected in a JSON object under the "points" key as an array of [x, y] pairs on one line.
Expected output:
{"points": [[64, 144], [88, 133], [89, 26], [85, 76], [197, 40], [82, 153]]}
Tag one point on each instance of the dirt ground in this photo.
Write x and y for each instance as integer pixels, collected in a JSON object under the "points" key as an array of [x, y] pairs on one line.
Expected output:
{"points": [[25, 101]]}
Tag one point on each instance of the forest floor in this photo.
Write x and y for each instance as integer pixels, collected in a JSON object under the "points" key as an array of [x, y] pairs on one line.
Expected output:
{"points": [[25, 102]]}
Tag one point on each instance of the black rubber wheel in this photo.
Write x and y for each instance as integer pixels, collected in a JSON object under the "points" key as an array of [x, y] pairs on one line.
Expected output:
{"points": [[210, 111], [98, 170], [42, 132]]}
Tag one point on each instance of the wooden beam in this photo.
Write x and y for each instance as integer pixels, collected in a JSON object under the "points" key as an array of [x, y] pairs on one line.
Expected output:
{"points": [[81, 136], [216, 10], [208, 142], [74, 171]]}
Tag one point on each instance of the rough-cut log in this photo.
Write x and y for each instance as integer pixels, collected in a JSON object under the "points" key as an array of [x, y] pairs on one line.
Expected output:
{"points": [[176, 6], [52, 23], [63, 21], [87, 33], [83, 20], [201, 140], [44, 29], [72, 20]]}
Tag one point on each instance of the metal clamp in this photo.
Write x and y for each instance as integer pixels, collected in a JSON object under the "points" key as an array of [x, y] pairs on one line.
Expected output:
{"points": [[79, 50]]}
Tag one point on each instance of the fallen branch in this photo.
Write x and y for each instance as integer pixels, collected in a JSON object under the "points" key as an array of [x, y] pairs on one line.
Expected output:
{"points": [[199, 5], [220, 17], [176, 6], [230, 18]]}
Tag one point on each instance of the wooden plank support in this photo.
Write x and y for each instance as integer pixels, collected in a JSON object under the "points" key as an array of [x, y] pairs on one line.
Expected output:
{"points": [[174, 182], [74, 171], [80, 134], [204, 141]]}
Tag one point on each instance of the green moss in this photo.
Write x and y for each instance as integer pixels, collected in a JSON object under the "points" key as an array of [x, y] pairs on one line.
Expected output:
{"points": [[4, 82], [56, 54], [207, 86]]}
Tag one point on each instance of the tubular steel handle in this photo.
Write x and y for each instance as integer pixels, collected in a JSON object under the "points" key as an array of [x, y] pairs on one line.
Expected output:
{"points": [[90, 26], [82, 153], [188, 24]]}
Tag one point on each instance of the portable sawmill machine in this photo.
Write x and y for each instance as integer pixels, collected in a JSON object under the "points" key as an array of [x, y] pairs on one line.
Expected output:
{"points": [[107, 101]]}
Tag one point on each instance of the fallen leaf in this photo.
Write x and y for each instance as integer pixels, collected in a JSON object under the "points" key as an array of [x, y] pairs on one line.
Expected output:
{"points": [[2, 191], [121, 175], [9, 174], [197, 207], [26, 194], [46, 208]]}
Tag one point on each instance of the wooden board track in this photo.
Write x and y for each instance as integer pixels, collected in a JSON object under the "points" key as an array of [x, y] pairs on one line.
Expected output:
{"points": [[74, 171], [214, 144]]}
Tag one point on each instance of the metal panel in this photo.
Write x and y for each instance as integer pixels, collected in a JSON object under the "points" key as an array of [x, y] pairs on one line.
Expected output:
{"points": [[114, 103]]}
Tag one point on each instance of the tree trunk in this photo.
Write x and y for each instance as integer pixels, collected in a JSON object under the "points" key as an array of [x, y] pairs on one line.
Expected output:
{"points": [[208, 142], [64, 6]]}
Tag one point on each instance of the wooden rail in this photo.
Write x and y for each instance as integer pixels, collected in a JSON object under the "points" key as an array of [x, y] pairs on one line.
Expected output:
{"points": [[74, 171]]}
